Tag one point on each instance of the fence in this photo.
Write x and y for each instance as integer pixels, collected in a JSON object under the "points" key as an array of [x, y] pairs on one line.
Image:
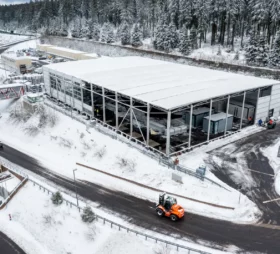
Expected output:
{"points": [[140, 146], [112, 224]]}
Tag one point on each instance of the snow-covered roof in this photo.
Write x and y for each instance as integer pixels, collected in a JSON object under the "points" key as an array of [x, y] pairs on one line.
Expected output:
{"points": [[11, 85], [13, 56], [66, 50], [218, 116], [163, 84]]}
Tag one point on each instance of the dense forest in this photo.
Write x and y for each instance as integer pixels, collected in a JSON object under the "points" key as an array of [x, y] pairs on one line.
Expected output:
{"points": [[172, 24]]}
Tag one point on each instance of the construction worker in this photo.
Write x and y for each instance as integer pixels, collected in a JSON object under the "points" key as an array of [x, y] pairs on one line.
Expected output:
{"points": [[260, 122], [270, 122], [250, 120]]}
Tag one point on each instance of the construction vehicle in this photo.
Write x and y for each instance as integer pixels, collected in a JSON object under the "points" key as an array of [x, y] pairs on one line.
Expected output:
{"points": [[168, 207]]}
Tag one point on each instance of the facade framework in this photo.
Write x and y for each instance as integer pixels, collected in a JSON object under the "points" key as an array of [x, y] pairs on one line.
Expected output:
{"points": [[164, 130]]}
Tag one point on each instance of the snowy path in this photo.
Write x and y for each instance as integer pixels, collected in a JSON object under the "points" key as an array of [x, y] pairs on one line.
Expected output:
{"points": [[141, 213]]}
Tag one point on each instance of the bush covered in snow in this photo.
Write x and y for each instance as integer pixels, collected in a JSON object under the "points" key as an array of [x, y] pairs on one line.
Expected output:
{"points": [[57, 198], [88, 215], [129, 164], [99, 153]]}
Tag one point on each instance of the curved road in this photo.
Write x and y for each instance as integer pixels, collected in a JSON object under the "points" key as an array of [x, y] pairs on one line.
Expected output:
{"points": [[141, 212], [7, 246]]}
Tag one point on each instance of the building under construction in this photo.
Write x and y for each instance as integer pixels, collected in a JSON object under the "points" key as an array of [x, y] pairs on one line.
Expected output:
{"points": [[166, 107]]}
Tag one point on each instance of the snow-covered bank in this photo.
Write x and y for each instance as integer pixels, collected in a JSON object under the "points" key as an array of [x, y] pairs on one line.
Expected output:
{"points": [[60, 147], [271, 153]]}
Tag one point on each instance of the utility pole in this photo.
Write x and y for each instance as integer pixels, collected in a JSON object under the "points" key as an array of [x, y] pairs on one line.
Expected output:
{"points": [[75, 186]]}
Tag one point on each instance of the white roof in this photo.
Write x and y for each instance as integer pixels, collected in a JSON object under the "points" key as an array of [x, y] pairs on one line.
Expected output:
{"points": [[67, 50], [11, 85], [218, 116], [163, 84]]}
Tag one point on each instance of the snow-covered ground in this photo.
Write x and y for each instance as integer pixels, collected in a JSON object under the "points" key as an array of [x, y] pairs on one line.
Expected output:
{"points": [[271, 153], [38, 226], [61, 147], [10, 183], [10, 38]]}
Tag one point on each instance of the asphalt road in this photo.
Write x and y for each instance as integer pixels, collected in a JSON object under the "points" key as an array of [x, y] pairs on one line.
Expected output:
{"points": [[142, 213], [263, 183], [7, 246]]}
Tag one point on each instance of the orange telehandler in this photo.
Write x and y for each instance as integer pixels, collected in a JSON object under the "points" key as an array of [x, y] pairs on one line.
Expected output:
{"points": [[168, 207]]}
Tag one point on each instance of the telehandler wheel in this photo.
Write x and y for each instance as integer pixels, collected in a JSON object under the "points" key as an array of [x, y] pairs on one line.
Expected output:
{"points": [[160, 212], [173, 217]]}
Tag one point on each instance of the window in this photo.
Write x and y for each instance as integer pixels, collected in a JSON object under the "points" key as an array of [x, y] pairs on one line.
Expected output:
{"points": [[265, 91]]}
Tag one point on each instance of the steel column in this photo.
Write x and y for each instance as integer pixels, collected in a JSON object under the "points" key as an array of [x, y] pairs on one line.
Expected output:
{"points": [[190, 126], [148, 124], [103, 104], [168, 133], [92, 100], [228, 100], [131, 117], [256, 110], [242, 111], [209, 122], [117, 111]]}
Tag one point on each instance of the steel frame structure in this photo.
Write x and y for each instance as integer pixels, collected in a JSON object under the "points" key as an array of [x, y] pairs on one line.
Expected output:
{"points": [[129, 103], [11, 92]]}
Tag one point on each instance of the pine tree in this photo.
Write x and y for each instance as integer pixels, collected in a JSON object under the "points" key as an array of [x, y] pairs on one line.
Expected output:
{"points": [[57, 198], [236, 56], [88, 215], [96, 32], [184, 42], [125, 34], [167, 39], [136, 37], [219, 53], [107, 33], [251, 50], [159, 37], [262, 52], [174, 35], [274, 54], [193, 38]]}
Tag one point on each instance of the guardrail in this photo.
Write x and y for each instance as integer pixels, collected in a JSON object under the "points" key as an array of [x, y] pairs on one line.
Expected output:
{"points": [[102, 219], [140, 146], [23, 181]]}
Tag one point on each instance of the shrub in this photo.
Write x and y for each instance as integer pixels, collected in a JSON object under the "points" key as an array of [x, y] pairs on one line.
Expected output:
{"points": [[88, 215], [57, 198]]}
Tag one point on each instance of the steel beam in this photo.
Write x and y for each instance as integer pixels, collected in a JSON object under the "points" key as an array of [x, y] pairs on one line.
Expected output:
{"points": [[190, 126], [148, 124], [209, 122], [168, 133], [228, 100], [242, 111], [117, 111], [131, 116], [103, 104]]}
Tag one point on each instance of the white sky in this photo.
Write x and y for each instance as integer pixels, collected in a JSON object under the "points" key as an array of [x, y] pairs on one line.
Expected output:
{"points": [[13, 1]]}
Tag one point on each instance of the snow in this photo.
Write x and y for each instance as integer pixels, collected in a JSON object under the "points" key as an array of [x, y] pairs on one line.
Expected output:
{"points": [[271, 153], [59, 149], [13, 56], [40, 227], [8, 39], [24, 45], [11, 85], [219, 116], [164, 84], [65, 50], [10, 183]]}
